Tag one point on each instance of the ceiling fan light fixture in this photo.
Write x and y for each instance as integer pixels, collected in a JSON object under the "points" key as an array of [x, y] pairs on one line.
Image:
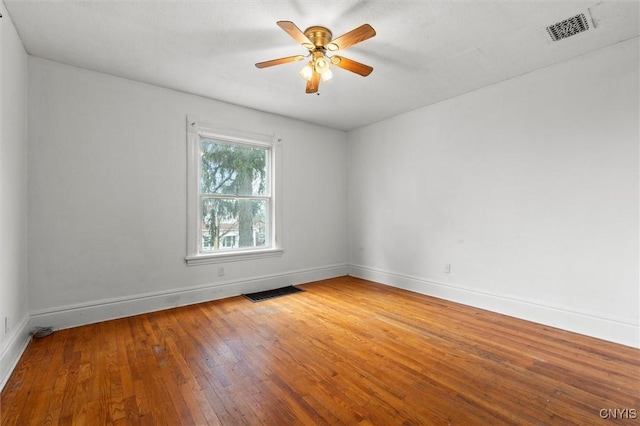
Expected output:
{"points": [[327, 75], [321, 65], [320, 62], [307, 71]]}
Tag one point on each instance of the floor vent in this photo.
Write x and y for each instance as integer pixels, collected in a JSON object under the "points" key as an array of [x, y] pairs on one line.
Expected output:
{"points": [[568, 27], [270, 294]]}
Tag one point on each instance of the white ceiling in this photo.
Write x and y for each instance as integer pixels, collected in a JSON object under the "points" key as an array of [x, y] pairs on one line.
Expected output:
{"points": [[424, 51]]}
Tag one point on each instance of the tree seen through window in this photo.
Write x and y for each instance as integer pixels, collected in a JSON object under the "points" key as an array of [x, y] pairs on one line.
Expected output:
{"points": [[234, 193]]}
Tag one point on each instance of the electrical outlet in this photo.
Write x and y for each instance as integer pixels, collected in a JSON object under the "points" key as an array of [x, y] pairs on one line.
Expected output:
{"points": [[220, 271], [7, 325], [447, 268]]}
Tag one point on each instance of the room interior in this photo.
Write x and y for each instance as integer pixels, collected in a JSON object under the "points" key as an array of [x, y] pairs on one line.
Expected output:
{"points": [[481, 162]]}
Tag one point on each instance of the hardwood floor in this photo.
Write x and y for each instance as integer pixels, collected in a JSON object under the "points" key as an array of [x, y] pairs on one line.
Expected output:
{"points": [[345, 351]]}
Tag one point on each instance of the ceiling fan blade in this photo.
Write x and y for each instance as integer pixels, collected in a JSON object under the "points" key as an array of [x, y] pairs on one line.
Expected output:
{"points": [[351, 65], [314, 83], [279, 61], [362, 33], [291, 29]]}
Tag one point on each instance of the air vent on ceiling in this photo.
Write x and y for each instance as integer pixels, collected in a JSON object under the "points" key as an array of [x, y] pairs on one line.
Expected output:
{"points": [[568, 27]]}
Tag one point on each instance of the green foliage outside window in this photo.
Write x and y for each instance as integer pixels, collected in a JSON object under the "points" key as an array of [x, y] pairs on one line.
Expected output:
{"points": [[234, 189]]}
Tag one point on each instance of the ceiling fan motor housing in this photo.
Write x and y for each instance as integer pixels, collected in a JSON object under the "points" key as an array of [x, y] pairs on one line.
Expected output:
{"points": [[319, 36]]}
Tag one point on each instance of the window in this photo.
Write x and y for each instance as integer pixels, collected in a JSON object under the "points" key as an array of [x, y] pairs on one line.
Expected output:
{"points": [[232, 204]]}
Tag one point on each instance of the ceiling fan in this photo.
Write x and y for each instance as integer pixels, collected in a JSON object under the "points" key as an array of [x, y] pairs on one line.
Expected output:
{"points": [[318, 41]]}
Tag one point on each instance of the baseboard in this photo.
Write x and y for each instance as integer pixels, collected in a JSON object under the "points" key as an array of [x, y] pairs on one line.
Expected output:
{"points": [[577, 322], [11, 352], [87, 313]]}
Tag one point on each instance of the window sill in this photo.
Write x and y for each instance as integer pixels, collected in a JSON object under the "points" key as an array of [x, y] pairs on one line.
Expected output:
{"points": [[234, 256]]}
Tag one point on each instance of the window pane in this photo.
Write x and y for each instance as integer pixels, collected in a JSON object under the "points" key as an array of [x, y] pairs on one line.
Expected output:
{"points": [[233, 224], [233, 169]]}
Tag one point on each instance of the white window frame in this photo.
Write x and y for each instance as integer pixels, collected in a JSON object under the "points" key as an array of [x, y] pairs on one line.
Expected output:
{"points": [[197, 131]]}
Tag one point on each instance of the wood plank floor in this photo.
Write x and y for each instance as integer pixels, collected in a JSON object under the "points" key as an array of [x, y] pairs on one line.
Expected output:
{"points": [[345, 351]]}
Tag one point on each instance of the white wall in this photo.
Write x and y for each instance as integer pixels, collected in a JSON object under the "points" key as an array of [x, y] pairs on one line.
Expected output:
{"points": [[107, 193], [528, 188], [13, 196]]}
